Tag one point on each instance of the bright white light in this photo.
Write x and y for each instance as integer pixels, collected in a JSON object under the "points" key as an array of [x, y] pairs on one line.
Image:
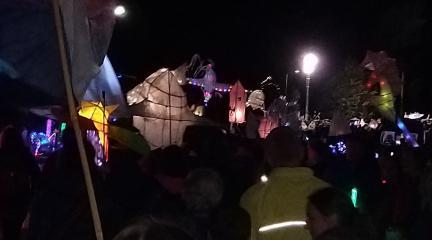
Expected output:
{"points": [[296, 71], [376, 155], [120, 11], [373, 124], [415, 115], [264, 178], [238, 114], [282, 225], [310, 61], [391, 154], [362, 123]]}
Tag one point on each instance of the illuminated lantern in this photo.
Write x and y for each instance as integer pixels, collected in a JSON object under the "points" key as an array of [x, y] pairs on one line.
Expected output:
{"points": [[237, 103], [159, 108], [267, 124], [256, 100], [99, 114], [354, 197]]}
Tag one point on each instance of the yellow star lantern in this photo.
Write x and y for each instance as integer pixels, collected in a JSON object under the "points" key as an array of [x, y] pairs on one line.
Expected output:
{"points": [[99, 114]]}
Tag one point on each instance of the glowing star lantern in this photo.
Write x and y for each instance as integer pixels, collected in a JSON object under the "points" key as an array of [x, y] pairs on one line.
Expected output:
{"points": [[237, 103], [99, 114]]}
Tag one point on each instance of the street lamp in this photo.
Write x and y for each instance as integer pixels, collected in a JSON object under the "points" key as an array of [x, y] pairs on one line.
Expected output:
{"points": [[310, 61], [119, 11]]}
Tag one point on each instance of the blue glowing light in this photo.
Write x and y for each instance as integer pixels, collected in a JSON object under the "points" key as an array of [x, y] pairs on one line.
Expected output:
{"points": [[339, 148], [401, 125]]}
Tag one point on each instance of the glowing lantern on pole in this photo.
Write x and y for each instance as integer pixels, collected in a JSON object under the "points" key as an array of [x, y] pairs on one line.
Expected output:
{"points": [[237, 103], [99, 114]]}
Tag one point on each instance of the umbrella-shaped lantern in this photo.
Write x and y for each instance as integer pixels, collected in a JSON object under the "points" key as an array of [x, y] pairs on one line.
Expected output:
{"points": [[99, 114], [237, 103]]}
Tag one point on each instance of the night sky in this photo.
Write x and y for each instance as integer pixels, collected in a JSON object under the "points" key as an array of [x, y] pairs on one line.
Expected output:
{"points": [[249, 40]]}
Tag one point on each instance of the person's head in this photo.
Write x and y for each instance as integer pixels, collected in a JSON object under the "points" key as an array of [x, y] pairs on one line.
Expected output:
{"points": [[152, 229], [203, 191], [329, 208], [283, 148], [172, 162], [11, 139]]}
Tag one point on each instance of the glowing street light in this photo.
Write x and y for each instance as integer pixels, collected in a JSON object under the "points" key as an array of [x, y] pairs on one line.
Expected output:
{"points": [[310, 62], [120, 11]]}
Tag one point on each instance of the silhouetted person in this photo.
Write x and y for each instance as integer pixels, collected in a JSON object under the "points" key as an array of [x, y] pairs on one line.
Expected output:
{"points": [[277, 207], [18, 175], [197, 204], [329, 209], [129, 192], [61, 209]]}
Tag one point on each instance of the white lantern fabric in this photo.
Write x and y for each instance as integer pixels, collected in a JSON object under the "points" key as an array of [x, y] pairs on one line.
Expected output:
{"points": [[256, 100], [106, 81], [160, 110]]}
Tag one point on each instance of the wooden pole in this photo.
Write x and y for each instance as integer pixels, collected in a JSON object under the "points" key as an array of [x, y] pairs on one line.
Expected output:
{"points": [[75, 123], [169, 106]]}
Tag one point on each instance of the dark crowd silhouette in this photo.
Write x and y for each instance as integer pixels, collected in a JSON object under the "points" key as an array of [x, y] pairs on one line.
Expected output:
{"points": [[217, 186]]}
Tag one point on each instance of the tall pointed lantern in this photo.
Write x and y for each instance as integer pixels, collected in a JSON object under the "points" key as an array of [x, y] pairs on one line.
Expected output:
{"points": [[237, 103]]}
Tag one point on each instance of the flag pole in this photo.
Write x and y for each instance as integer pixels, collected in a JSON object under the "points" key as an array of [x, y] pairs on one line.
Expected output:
{"points": [[75, 123]]}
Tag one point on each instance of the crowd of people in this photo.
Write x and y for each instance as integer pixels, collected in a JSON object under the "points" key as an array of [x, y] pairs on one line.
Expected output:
{"points": [[218, 186]]}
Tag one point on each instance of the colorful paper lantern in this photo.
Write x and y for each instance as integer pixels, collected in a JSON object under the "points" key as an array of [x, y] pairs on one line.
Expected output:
{"points": [[267, 124], [237, 103], [99, 114]]}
